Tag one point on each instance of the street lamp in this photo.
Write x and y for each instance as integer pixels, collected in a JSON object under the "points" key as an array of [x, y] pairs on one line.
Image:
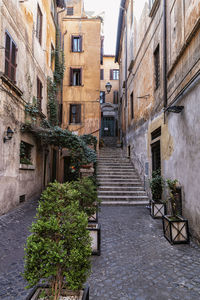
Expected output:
{"points": [[9, 135], [108, 87]]}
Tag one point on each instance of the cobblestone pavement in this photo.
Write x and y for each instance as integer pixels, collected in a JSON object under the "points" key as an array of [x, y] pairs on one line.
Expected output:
{"points": [[136, 263]]}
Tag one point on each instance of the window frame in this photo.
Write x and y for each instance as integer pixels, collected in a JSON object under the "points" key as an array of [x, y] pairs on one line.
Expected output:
{"points": [[101, 74], [113, 73], [70, 11], [39, 93], [79, 44], [157, 67], [115, 97], [132, 106], [79, 79], [39, 24], [75, 117], [102, 97], [10, 65]]}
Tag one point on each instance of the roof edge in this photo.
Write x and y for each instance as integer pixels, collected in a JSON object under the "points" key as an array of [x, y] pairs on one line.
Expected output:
{"points": [[119, 29]]}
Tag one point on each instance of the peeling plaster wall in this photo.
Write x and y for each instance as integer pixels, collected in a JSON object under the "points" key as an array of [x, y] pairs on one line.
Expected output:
{"points": [[184, 163], [33, 60]]}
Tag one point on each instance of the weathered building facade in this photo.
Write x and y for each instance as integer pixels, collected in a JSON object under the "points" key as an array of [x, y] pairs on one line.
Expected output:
{"points": [[27, 42], [81, 84], [159, 57], [109, 101]]}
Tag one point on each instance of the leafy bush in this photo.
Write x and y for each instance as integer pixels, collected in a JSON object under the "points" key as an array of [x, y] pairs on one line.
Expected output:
{"points": [[172, 187], [156, 185], [85, 191], [59, 248]]}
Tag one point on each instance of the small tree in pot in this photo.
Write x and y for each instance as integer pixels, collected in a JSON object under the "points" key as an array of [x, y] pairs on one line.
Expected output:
{"points": [[59, 249], [158, 207], [175, 227]]}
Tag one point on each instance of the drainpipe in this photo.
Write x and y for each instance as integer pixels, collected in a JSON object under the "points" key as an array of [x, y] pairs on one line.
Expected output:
{"points": [[164, 54], [126, 73]]}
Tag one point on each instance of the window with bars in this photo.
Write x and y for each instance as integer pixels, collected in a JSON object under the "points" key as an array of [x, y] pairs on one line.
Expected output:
{"points": [[10, 58], [39, 93], [102, 74], [102, 97], [75, 77], [75, 114], [115, 97], [25, 153], [70, 11], [114, 74], [132, 106], [157, 66], [39, 25], [76, 43]]}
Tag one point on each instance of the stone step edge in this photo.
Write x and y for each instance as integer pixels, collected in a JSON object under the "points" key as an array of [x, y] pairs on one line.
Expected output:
{"points": [[123, 203]]}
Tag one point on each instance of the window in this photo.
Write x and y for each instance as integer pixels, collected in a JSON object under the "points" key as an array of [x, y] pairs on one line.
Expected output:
{"points": [[132, 106], [75, 113], [25, 153], [53, 11], [75, 77], [52, 57], [157, 67], [39, 25], [76, 43], [156, 133], [39, 93], [115, 97], [131, 12], [70, 11], [102, 97], [151, 2], [10, 57], [102, 74], [114, 74]]}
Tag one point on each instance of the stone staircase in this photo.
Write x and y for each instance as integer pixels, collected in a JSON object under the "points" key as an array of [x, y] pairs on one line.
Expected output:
{"points": [[119, 182]]}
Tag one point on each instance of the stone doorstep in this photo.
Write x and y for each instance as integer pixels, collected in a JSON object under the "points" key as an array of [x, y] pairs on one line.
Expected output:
{"points": [[122, 203]]}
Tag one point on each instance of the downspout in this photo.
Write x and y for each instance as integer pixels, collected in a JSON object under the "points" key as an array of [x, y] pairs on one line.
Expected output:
{"points": [[164, 55], [126, 65]]}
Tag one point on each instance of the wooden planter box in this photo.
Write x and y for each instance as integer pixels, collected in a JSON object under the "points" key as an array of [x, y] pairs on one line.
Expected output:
{"points": [[95, 233], [34, 294], [93, 218], [158, 209], [176, 229]]}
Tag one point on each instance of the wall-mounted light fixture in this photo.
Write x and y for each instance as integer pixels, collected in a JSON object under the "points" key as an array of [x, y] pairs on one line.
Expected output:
{"points": [[9, 135], [108, 87], [175, 109]]}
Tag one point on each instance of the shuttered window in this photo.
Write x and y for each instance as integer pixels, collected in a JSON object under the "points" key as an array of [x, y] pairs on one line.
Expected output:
{"points": [[102, 97], [70, 11], [114, 74], [102, 74], [157, 66], [75, 113], [39, 93], [75, 77], [76, 43], [115, 97], [39, 25], [10, 57], [132, 106]]}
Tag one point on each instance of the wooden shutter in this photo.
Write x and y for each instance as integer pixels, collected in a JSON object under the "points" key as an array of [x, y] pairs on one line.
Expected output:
{"points": [[39, 25], [39, 93], [10, 58], [81, 75], [72, 43], [78, 113], [111, 74], [13, 62], [81, 43], [7, 55], [102, 74], [71, 76]]}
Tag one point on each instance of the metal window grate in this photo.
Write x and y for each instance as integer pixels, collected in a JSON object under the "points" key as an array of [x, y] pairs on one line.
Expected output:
{"points": [[70, 11], [157, 66], [22, 198]]}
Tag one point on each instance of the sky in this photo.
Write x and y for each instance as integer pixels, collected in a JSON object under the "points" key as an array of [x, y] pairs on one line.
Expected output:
{"points": [[111, 9]]}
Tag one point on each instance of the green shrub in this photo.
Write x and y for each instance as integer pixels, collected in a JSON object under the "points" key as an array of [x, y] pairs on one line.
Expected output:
{"points": [[85, 191], [59, 248], [156, 185], [172, 187]]}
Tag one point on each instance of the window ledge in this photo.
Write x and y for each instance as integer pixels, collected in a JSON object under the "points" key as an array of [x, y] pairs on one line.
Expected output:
{"points": [[11, 84], [26, 167], [154, 8]]}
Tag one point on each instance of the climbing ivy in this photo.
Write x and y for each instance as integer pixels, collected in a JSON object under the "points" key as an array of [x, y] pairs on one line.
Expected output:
{"points": [[52, 102], [90, 140], [59, 60], [32, 109]]}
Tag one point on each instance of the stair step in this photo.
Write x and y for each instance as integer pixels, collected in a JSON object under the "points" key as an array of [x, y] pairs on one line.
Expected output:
{"points": [[128, 202], [121, 184], [120, 188], [121, 198]]}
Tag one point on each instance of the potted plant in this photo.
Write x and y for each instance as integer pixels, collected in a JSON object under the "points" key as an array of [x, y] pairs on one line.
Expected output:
{"points": [[85, 191], [158, 207], [175, 227], [58, 250]]}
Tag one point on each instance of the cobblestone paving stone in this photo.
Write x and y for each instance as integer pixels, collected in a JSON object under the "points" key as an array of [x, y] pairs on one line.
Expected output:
{"points": [[136, 263]]}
